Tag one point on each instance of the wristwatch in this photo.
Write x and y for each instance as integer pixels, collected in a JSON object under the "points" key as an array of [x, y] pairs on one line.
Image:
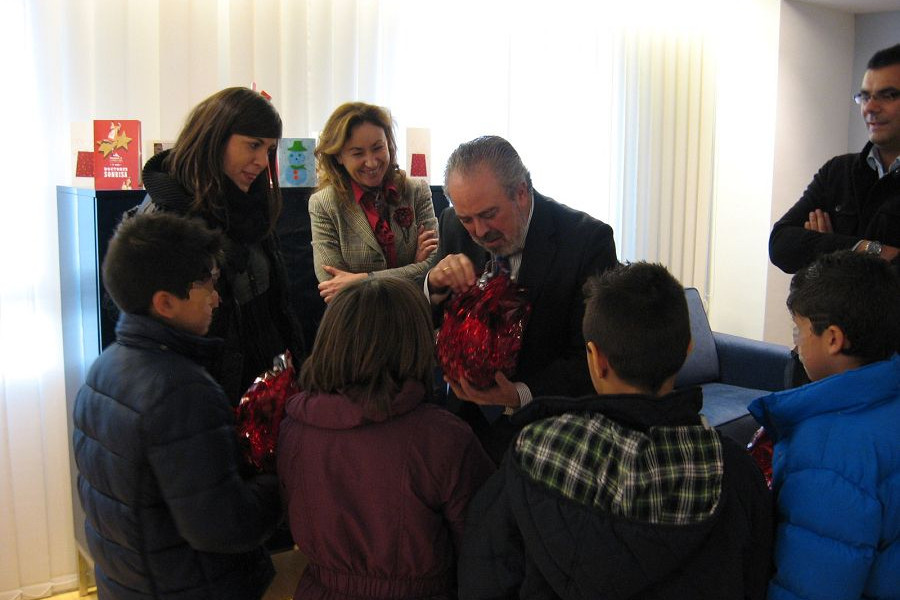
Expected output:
{"points": [[874, 248]]}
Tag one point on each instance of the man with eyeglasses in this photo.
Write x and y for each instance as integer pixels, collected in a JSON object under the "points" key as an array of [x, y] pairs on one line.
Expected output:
{"points": [[854, 200]]}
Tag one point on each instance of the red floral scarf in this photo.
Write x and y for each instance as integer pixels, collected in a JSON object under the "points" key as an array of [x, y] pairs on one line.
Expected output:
{"points": [[374, 204]]}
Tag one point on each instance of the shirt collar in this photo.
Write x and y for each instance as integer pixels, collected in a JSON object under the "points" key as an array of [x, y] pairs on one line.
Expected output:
{"points": [[874, 161], [515, 259], [527, 227]]}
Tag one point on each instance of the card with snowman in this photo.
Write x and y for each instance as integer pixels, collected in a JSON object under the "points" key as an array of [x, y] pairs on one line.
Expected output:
{"points": [[296, 162]]}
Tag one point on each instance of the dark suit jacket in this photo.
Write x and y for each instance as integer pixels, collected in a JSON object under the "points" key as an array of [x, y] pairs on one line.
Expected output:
{"points": [[562, 249]]}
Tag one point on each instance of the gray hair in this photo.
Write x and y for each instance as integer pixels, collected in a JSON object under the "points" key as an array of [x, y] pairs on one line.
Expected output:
{"points": [[497, 154]]}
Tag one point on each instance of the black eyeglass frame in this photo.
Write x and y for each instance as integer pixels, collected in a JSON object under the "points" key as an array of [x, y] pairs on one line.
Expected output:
{"points": [[886, 95]]}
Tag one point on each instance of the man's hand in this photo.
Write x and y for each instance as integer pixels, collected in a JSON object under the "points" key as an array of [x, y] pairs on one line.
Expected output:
{"points": [[889, 253], [428, 243], [502, 394], [455, 271], [340, 279], [820, 221]]}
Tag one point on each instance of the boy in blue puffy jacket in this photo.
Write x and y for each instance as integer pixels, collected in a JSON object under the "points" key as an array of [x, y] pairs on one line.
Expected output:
{"points": [[836, 465], [168, 514]]}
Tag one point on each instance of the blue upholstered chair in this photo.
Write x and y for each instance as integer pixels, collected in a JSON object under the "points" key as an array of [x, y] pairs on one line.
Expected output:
{"points": [[732, 370]]}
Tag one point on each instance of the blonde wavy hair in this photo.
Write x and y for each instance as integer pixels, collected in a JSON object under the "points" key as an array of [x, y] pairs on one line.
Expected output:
{"points": [[334, 136]]}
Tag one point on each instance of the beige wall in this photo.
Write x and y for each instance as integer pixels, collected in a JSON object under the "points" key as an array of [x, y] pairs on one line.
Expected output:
{"points": [[745, 130], [815, 63]]}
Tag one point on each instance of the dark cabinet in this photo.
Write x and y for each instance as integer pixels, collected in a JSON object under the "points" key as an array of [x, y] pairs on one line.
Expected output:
{"points": [[86, 221]]}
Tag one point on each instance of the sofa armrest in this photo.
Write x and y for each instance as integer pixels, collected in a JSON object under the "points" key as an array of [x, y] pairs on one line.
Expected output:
{"points": [[751, 363]]}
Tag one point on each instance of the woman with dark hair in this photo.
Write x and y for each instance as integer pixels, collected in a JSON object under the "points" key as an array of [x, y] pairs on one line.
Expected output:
{"points": [[221, 169], [376, 480], [368, 218]]}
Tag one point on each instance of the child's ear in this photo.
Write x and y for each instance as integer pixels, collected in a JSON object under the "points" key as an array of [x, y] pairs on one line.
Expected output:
{"points": [[598, 363], [835, 340], [162, 304]]}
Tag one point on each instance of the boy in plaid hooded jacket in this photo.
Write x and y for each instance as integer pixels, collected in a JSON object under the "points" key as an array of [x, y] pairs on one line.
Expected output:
{"points": [[628, 493]]}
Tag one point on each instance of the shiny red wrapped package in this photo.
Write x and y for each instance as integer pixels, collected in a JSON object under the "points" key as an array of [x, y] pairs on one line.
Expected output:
{"points": [[761, 449], [260, 411], [482, 330]]}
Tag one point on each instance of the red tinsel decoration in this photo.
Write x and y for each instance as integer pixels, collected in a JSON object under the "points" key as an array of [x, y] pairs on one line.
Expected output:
{"points": [[482, 331], [761, 449], [260, 411]]}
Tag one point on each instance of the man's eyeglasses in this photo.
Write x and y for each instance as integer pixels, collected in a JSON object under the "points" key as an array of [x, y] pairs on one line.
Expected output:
{"points": [[888, 95]]}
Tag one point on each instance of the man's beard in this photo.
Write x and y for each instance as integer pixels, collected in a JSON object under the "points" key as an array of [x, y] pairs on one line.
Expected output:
{"points": [[512, 245]]}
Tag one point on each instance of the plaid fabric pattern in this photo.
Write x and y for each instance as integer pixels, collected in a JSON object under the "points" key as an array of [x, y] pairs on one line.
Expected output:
{"points": [[668, 475]]}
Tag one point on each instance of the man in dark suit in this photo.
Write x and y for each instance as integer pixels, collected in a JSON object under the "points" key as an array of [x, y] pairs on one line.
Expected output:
{"points": [[551, 249]]}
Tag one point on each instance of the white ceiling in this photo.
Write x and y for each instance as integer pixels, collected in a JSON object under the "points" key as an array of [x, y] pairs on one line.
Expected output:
{"points": [[858, 6]]}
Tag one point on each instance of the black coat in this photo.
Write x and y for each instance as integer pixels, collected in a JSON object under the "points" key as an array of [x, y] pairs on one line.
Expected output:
{"points": [[562, 249], [248, 336], [168, 514], [861, 206], [526, 540]]}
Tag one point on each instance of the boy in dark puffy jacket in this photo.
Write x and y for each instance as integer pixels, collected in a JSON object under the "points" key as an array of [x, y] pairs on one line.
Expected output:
{"points": [[168, 515], [836, 460], [628, 493]]}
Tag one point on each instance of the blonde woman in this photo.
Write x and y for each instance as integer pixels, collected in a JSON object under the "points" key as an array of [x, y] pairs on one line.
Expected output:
{"points": [[368, 218]]}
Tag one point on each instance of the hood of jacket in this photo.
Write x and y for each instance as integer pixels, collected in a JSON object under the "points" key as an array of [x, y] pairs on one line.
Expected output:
{"points": [[146, 332], [591, 540], [850, 391], [337, 411], [165, 191]]}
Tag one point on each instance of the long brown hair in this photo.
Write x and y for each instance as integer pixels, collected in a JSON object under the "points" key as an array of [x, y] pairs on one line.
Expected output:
{"points": [[375, 335], [197, 159], [338, 130]]}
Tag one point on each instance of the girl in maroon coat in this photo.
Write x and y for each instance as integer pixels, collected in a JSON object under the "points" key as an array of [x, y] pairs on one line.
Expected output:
{"points": [[375, 479]]}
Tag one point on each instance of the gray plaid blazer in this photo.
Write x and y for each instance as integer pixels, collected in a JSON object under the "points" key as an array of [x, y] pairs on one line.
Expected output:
{"points": [[342, 237]]}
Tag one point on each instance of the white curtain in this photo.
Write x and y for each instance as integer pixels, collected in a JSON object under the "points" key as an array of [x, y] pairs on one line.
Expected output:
{"points": [[611, 120], [667, 112], [36, 556]]}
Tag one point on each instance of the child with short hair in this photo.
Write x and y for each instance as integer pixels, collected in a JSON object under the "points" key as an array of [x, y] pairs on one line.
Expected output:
{"points": [[167, 513], [376, 479], [628, 493], [836, 463]]}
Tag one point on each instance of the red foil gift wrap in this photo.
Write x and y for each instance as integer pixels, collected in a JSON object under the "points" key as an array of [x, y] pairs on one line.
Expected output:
{"points": [[260, 411], [482, 331], [761, 449]]}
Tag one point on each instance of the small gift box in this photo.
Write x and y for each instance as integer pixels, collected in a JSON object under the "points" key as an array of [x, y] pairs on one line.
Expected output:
{"points": [[260, 412], [482, 330]]}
